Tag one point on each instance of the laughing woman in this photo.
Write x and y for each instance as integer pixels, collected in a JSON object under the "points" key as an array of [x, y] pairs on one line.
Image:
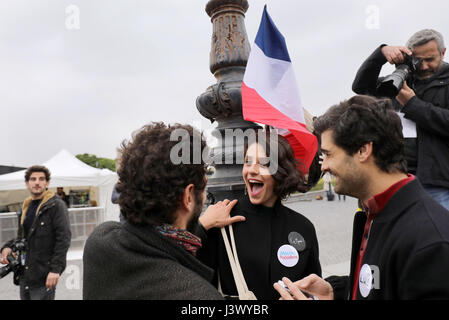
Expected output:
{"points": [[272, 241]]}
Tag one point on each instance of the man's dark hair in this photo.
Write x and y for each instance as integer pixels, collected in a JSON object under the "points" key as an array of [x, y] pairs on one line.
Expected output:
{"points": [[363, 119], [150, 183], [33, 169]]}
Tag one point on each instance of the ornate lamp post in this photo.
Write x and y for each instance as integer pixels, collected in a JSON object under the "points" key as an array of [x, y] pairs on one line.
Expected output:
{"points": [[222, 102]]}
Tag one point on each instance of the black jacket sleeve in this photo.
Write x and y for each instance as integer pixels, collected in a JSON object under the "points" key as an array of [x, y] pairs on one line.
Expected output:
{"points": [[200, 232], [367, 76], [208, 254], [340, 285], [63, 236]]}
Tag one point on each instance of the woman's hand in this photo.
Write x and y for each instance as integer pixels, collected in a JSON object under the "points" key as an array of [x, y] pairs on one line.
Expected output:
{"points": [[218, 215]]}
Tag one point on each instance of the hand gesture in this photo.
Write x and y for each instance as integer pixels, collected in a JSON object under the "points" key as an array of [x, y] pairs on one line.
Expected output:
{"points": [[218, 215]]}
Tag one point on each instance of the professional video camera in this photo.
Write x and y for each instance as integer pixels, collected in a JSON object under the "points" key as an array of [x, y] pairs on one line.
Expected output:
{"points": [[18, 247], [392, 84]]}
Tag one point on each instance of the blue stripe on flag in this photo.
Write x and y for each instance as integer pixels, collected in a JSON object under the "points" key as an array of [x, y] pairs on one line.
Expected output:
{"points": [[270, 40]]}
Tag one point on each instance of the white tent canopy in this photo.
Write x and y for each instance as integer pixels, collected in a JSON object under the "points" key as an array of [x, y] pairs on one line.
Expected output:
{"points": [[68, 171]]}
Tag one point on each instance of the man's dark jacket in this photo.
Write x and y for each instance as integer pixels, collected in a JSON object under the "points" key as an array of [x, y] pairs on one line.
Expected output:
{"points": [[124, 261], [427, 155], [47, 242], [408, 248]]}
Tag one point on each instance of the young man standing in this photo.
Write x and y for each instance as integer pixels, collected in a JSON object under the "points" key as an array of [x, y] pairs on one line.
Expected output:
{"points": [[400, 244], [44, 224]]}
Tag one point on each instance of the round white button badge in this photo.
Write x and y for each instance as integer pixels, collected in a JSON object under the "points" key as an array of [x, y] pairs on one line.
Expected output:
{"points": [[365, 280], [288, 256]]}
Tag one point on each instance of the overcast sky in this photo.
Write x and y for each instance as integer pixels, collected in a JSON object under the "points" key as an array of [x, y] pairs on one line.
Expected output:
{"points": [[132, 62]]}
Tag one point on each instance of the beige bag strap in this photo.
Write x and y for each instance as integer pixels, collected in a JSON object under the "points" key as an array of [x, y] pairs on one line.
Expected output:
{"points": [[242, 288], [237, 262]]}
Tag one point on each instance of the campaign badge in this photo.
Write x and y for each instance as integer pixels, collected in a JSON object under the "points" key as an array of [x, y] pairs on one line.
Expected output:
{"points": [[365, 280], [297, 241], [288, 256]]}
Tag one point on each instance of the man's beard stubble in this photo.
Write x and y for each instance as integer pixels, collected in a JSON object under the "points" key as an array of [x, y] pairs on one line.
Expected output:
{"points": [[198, 208]]}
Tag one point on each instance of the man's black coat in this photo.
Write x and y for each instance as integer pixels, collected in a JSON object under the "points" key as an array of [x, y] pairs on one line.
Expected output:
{"points": [[407, 250], [47, 242]]}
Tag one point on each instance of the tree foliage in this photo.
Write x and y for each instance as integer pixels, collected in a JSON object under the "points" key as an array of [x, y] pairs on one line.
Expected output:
{"points": [[96, 162]]}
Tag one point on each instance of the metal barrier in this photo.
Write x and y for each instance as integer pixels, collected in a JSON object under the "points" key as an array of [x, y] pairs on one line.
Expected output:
{"points": [[8, 226], [82, 222]]}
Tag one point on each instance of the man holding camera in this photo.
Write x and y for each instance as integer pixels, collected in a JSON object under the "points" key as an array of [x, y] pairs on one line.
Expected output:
{"points": [[44, 224], [423, 100]]}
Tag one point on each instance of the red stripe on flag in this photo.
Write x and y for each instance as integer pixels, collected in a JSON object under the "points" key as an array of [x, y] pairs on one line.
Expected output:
{"points": [[257, 109]]}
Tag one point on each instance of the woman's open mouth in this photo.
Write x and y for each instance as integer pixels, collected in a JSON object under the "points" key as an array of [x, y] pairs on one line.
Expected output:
{"points": [[255, 187]]}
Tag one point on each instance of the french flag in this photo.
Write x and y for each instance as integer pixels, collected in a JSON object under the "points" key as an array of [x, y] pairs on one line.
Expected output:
{"points": [[270, 94]]}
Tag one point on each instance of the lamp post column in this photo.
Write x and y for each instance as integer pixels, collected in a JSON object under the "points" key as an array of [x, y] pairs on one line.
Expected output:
{"points": [[222, 101]]}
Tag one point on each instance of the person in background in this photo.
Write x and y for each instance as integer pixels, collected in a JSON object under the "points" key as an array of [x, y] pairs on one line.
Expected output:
{"points": [[425, 102], [62, 195], [44, 224]]}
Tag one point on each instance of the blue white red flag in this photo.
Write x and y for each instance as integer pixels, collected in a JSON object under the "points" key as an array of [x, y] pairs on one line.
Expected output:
{"points": [[270, 93]]}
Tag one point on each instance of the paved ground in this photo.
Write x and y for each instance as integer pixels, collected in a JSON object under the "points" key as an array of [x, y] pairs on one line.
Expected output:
{"points": [[333, 224]]}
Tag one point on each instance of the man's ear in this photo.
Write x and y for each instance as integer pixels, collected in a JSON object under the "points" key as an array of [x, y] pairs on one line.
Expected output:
{"points": [[365, 152], [188, 199]]}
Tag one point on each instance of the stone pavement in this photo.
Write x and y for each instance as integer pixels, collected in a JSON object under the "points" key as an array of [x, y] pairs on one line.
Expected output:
{"points": [[333, 225], [332, 221]]}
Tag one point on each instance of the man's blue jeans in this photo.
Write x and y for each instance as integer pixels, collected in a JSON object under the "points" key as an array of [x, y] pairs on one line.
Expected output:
{"points": [[441, 195]]}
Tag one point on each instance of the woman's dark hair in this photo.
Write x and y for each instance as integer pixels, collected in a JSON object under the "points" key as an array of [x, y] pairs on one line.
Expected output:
{"points": [[363, 119], [33, 169], [289, 175], [154, 172]]}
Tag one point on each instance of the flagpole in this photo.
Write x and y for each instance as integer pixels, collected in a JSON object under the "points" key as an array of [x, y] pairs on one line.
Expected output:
{"points": [[222, 101]]}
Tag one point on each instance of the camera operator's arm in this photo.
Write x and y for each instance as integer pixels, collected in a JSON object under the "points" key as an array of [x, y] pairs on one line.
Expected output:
{"points": [[367, 76], [395, 54], [429, 117]]}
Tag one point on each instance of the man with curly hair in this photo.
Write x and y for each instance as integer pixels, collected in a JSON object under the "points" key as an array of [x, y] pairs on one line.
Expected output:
{"points": [[151, 255]]}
